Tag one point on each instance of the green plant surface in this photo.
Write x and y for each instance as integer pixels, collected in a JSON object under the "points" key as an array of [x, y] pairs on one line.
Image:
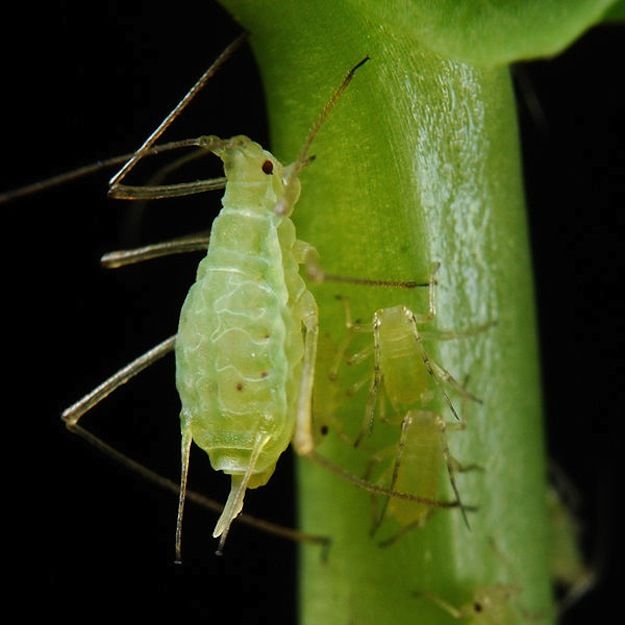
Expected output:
{"points": [[616, 12], [419, 164], [489, 33]]}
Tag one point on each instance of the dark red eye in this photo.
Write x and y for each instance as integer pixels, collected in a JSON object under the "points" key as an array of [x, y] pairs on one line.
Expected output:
{"points": [[268, 167]]}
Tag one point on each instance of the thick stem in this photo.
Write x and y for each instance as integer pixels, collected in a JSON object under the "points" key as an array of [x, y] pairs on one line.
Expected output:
{"points": [[418, 164]]}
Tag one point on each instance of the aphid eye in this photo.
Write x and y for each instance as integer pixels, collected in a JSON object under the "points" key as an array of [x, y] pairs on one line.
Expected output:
{"points": [[477, 606], [324, 430], [268, 167]]}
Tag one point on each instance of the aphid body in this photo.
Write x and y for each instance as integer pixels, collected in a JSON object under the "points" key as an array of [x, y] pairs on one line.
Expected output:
{"points": [[488, 605], [239, 347], [401, 361], [412, 383]]}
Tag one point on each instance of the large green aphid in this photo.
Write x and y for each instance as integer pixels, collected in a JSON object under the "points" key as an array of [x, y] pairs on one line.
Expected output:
{"points": [[247, 339], [248, 331], [244, 370]]}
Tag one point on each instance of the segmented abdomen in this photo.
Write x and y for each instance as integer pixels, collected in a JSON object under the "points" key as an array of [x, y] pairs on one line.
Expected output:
{"points": [[234, 346]]}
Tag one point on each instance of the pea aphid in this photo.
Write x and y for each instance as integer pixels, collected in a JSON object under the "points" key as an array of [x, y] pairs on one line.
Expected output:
{"points": [[488, 605], [411, 382], [248, 330], [418, 461], [401, 364]]}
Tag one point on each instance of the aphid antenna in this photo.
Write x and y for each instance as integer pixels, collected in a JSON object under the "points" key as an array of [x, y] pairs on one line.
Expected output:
{"points": [[303, 159]]}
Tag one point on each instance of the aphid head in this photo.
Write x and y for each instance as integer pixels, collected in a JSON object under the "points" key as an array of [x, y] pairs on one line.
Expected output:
{"points": [[255, 177]]}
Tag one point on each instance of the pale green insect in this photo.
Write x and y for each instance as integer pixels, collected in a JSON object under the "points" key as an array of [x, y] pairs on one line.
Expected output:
{"points": [[244, 371], [411, 381], [248, 330], [488, 605], [247, 336]]}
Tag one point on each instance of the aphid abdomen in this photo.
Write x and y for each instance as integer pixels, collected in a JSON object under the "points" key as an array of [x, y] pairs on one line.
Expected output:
{"points": [[421, 466], [232, 369]]}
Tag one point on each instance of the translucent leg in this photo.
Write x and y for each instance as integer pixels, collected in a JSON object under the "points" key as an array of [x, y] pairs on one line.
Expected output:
{"points": [[72, 414], [116, 188], [303, 440], [197, 498], [183, 245]]}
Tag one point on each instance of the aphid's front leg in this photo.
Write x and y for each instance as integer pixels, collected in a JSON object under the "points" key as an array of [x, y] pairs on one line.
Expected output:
{"points": [[437, 372], [307, 311], [308, 256]]}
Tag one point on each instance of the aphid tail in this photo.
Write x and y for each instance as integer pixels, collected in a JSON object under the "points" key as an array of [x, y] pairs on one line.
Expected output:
{"points": [[232, 509]]}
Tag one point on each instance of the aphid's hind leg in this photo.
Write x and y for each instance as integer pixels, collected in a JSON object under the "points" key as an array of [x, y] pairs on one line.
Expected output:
{"points": [[303, 439], [438, 373], [185, 453], [116, 188], [406, 422], [442, 604], [450, 335], [72, 415]]}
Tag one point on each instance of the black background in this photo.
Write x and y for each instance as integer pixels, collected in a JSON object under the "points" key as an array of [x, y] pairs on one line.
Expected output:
{"points": [[87, 539]]}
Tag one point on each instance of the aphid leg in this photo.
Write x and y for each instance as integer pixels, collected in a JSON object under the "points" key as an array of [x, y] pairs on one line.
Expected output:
{"points": [[449, 379], [374, 460], [72, 414], [157, 192], [374, 387], [238, 485], [316, 273], [442, 604], [406, 422], [450, 335], [185, 453], [347, 339], [116, 188], [85, 170], [197, 498], [451, 471], [303, 439], [438, 373], [182, 245], [380, 490]]}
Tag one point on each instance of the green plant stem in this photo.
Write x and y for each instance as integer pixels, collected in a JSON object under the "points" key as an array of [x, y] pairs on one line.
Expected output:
{"points": [[418, 164]]}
